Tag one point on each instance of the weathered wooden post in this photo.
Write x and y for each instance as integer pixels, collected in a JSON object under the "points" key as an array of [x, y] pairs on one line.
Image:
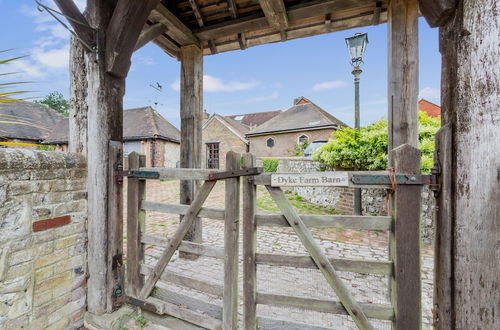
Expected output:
{"points": [[249, 247], [231, 244], [191, 58], [136, 191], [468, 211], [107, 36], [404, 157]]}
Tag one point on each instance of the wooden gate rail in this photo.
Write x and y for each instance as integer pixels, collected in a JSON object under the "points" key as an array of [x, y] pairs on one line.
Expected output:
{"points": [[139, 292], [403, 224]]}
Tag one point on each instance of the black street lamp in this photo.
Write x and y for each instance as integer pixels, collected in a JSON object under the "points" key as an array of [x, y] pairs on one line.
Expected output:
{"points": [[357, 45]]}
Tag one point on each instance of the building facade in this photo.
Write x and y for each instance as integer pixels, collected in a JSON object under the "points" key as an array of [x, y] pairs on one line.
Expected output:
{"points": [[285, 134]]}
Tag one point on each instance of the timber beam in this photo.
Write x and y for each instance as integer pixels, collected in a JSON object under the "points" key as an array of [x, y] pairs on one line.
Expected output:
{"points": [[437, 12], [77, 21], [295, 13], [275, 13], [180, 33], [123, 33], [148, 34]]}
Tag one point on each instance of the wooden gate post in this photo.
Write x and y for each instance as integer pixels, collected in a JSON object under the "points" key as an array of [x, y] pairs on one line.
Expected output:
{"points": [[405, 243], [231, 244], [136, 191], [405, 158], [249, 247], [191, 58]]}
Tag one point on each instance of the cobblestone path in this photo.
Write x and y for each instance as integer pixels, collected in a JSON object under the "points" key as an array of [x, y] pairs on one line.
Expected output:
{"points": [[285, 280]]}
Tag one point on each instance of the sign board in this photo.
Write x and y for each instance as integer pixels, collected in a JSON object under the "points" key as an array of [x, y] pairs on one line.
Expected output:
{"points": [[316, 179]]}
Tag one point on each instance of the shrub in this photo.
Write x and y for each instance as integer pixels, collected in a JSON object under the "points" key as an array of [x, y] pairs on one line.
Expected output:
{"points": [[270, 164], [367, 149]]}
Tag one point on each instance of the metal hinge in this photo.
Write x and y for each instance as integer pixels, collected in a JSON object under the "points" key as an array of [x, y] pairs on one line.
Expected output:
{"points": [[119, 172], [435, 184]]}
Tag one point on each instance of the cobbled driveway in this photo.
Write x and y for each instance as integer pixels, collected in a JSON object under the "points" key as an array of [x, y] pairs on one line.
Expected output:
{"points": [[285, 280]]}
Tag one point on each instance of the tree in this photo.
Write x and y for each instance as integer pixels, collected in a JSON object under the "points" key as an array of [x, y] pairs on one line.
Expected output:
{"points": [[56, 101], [367, 149]]}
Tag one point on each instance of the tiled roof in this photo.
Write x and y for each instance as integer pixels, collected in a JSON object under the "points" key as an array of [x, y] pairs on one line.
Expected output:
{"points": [[138, 124], [430, 108], [304, 115], [256, 118], [26, 120], [239, 129]]}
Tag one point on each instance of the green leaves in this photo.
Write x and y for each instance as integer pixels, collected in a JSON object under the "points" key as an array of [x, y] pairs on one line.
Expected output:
{"points": [[6, 92], [367, 149]]}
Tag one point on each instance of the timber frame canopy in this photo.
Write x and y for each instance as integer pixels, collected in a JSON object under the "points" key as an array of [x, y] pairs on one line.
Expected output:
{"points": [[223, 25]]}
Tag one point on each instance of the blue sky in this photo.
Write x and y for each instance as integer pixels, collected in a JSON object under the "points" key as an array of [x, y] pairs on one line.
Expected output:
{"points": [[261, 78]]}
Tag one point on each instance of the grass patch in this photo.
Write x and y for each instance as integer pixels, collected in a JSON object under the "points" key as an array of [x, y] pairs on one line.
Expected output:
{"points": [[265, 202]]}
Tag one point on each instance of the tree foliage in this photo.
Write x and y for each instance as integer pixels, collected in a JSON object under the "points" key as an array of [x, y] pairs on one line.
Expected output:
{"points": [[367, 149], [56, 101], [270, 164]]}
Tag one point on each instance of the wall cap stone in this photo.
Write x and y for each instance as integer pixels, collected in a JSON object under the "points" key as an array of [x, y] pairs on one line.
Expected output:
{"points": [[11, 158]]}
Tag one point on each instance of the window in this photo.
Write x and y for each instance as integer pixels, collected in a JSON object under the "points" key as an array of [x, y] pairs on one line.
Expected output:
{"points": [[303, 139], [213, 155], [238, 118], [270, 142]]}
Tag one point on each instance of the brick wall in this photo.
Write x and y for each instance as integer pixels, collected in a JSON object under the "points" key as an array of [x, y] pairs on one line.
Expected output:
{"points": [[217, 132], [42, 239], [283, 143]]}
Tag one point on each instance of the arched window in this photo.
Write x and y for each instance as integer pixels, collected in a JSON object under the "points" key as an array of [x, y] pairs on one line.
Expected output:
{"points": [[303, 139], [270, 142]]}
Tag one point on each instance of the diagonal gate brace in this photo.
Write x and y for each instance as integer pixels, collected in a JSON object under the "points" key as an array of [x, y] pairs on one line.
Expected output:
{"points": [[320, 259]]}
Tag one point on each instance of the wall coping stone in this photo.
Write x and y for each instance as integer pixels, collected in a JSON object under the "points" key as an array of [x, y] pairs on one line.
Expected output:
{"points": [[33, 159]]}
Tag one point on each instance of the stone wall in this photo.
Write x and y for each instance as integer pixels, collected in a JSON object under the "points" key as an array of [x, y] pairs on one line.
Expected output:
{"points": [[42, 239], [342, 199]]}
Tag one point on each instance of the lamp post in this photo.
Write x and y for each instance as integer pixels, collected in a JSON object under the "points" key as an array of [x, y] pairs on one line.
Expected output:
{"points": [[357, 45]]}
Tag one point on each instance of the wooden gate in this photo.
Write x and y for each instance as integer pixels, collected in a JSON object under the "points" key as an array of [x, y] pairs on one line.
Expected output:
{"points": [[403, 268], [141, 278]]}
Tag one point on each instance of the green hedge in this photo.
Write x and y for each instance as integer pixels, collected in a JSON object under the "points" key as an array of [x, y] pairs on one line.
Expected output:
{"points": [[367, 149], [270, 164]]}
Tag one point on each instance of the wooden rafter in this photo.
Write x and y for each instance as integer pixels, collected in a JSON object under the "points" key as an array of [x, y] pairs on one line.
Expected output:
{"points": [[123, 33], [275, 13], [437, 12], [201, 23], [149, 34], [294, 14], [77, 21], [176, 29], [232, 8]]}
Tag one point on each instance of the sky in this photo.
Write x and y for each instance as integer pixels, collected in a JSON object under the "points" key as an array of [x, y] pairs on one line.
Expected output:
{"points": [[261, 78]]}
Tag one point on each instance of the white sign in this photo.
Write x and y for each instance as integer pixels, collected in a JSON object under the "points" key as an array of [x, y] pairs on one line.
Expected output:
{"points": [[317, 179]]}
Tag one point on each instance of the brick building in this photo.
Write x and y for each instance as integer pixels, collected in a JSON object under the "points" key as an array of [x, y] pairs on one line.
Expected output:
{"points": [[144, 131], [303, 122], [429, 108], [220, 135]]}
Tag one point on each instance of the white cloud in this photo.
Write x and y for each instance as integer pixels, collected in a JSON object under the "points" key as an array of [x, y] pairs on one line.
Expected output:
{"points": [[328, 85], [52, 58], [214, 84], [429, 93]]}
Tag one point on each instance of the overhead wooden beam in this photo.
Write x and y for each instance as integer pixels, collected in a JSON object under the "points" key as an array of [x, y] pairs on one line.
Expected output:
{"points": [[176, 29], [295, 13], [123, 32], [149, 34], [77, 21], [437, 12], [275, 13], [376, 13]]}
